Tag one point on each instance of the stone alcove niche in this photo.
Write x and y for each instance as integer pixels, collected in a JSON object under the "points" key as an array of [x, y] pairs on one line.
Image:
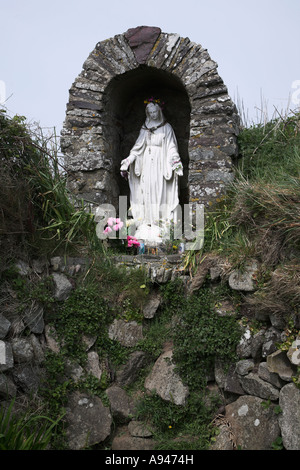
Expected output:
{"points": [[106, 110], [125, 113]]}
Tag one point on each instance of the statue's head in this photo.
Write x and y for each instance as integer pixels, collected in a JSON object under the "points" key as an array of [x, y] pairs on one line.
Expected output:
{"points": [[154, 112]]}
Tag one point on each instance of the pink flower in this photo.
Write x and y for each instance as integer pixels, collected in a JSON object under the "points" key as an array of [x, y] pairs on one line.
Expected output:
{"points": [[118, 226], [110, 221], [107, 230], [132, 241]]}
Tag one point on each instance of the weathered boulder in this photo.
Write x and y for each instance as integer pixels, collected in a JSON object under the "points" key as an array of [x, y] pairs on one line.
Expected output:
{"points": [[272, 337], [254, 426], [22, 349], [256, 345], [165, 382], [127, 333], [62, 286], [254, 385], [128, 372], [69, 266], [271, 377], [152, 306], [289, 418], [93, 365], [244, 366], [228, 379], [122, 407], [89, 421], [243, 280], [73, 370], [279, 363], [27, 377]]}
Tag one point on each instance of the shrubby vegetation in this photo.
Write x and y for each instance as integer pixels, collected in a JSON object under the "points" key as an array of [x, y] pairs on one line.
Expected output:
{"points": [[258, 218]]}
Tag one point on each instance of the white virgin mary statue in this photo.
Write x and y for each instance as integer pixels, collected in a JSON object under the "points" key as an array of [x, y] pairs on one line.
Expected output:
{"points": [[153, 167]]}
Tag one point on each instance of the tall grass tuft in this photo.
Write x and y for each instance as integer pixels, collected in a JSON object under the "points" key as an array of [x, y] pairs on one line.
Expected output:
{"points": [[42, 204], [25, 432], [260, 215]]}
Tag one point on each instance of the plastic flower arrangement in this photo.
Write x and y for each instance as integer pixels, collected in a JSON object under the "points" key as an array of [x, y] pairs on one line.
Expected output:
{"points": [[132, 241], [113, 224]]}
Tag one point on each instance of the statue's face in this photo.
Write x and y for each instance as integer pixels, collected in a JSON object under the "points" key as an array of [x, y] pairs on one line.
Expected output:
{"points": [[153, 111]]}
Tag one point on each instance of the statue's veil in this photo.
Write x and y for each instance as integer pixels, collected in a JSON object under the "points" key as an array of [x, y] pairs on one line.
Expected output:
{"points": [[160, 113]]}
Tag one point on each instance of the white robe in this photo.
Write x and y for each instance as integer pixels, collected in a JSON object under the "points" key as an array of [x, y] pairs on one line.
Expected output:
{"points": [[153, 179]]}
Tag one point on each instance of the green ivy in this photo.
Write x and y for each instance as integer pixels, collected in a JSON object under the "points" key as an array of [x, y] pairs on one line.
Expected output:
{"points": [[203, 336], [85, 312]]}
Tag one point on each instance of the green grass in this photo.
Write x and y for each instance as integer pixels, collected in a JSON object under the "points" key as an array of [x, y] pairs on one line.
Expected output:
{"points": [[259, 216], [25, 431]]}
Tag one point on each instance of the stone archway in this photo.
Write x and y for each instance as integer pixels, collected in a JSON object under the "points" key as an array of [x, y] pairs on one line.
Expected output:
{"points": [[105, 111]]}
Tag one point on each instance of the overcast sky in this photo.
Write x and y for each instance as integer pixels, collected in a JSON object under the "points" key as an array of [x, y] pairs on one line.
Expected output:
{"points": [[43, 44]]}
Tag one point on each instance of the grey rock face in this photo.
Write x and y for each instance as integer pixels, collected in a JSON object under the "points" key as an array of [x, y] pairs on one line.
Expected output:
{"points": [[127, 374], [243, 281], [22, 350], [165, 381], [127, 333], [289, 419], [254, 427], [254, 385], [27, 377], [279, 363], [63, 287], [271, 377], [151, 307], [244, 367], [89, 421], [120, 404]]}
